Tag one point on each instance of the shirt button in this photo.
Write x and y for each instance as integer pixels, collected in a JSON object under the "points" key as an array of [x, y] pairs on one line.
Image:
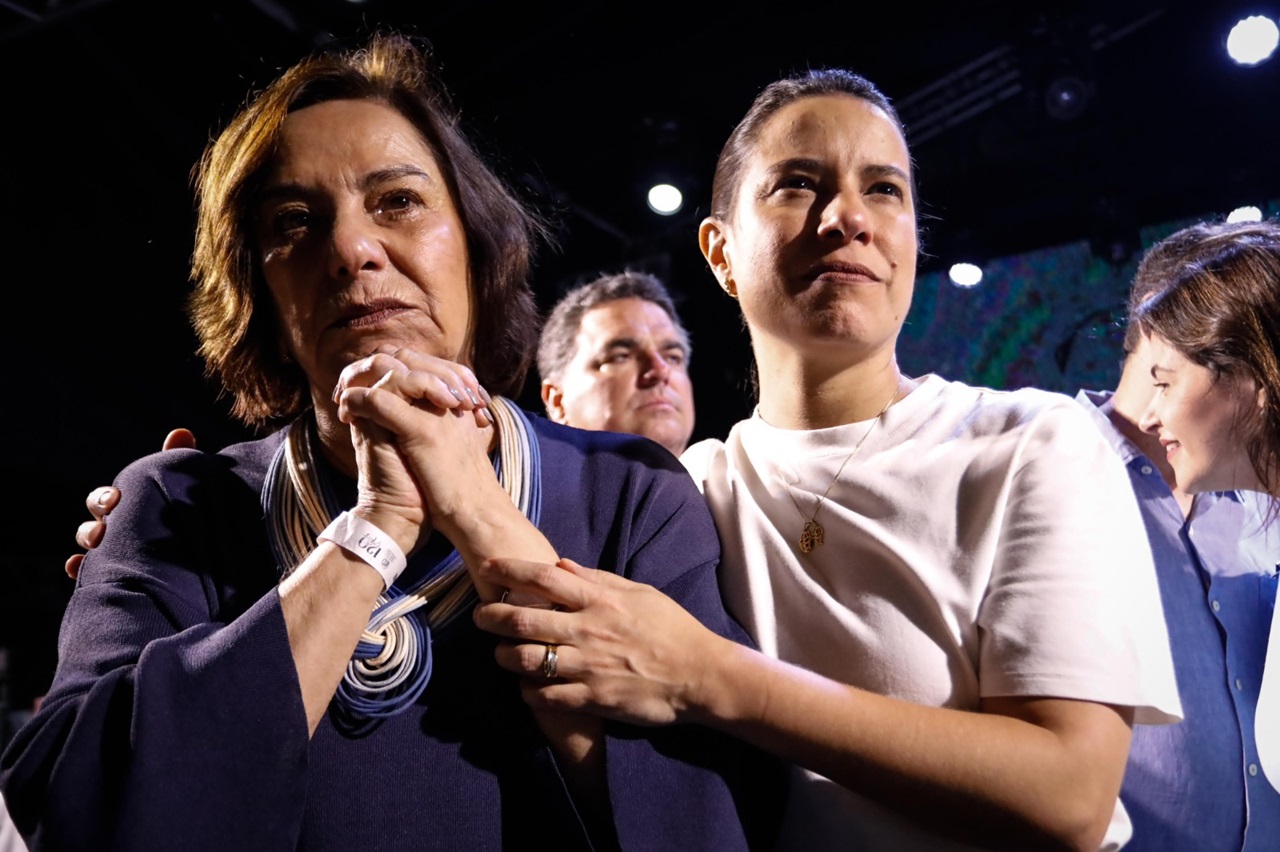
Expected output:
{"points": [[1146, 470], [1239, 685], [1253, 769], [1216, 606]]}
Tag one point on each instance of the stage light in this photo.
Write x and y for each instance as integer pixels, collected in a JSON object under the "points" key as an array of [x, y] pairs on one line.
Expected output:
{"points": [[1066, 97], [665, 199], [1245, 214], [1253, 40], [965, 275]]}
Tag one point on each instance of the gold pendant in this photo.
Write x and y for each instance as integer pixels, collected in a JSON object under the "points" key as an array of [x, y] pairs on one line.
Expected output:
{"points": [[811, 537]]}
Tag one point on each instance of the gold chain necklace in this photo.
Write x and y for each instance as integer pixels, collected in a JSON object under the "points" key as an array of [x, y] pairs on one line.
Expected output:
{"points": [[813, 533]]}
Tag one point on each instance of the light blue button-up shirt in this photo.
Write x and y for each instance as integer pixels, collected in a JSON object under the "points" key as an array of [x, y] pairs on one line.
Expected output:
{"points": [[1197, 785]]}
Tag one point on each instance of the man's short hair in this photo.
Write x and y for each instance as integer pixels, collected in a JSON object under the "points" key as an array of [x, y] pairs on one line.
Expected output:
{"points": [[558, 344]]}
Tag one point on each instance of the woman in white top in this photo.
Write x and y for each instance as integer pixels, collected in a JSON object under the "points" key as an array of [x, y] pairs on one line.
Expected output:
{"points": [[951, 587]]}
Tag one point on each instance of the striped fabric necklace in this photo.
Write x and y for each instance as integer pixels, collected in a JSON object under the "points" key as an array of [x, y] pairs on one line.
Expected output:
{"points": [[392, 662]]}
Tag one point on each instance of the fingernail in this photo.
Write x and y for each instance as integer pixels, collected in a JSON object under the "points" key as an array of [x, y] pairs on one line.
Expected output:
{"points": [[337, 391], [484, 393], [488, 415], [101, 497], [456, 395], [475, 400]]}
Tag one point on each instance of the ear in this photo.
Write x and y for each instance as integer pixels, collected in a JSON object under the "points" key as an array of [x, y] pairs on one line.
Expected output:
{"points": [[553, 399], [713, 240]]}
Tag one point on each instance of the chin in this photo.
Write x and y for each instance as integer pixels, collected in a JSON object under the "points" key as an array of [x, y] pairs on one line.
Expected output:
{"points": [[1236, 479], [665, 437]]}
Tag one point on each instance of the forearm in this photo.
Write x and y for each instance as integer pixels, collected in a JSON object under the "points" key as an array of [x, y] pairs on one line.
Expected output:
{"points": [[497, 529], [490, 526], [199, 741], [1049, 779], [326, 604]]}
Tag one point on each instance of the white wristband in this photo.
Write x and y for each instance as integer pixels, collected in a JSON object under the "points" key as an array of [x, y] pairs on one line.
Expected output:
{"points": [[356, 535]]}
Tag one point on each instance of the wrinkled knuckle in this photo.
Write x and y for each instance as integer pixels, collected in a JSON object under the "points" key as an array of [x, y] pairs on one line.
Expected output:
{"points": [[609, 695], [531, 657], [522, 622], [544, 575]]}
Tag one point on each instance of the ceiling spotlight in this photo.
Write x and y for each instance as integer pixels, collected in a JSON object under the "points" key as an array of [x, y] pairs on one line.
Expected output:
{"points": [[1253, 40], [965, 275], [665, 199], [1066, 97], [1245, 214]]}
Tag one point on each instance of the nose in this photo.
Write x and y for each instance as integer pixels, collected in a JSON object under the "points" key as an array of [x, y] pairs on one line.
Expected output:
{"points": [[354, 246], [844, 218], [657, 370], [1149, 422]]}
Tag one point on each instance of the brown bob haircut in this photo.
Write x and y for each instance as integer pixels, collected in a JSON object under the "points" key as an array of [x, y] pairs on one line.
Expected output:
{"points": [[231, 310], [1217, 302]]}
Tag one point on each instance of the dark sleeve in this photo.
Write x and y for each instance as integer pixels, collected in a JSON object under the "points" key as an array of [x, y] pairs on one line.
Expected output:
{"points": [[727, 794], [175, 719]]}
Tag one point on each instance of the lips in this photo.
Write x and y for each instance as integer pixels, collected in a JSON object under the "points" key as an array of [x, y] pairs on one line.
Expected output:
{"points": [[656, 402], [368, 313], [841, 271]]}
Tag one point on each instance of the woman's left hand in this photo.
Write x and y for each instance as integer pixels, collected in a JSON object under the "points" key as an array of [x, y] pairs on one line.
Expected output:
{"points": [[623, 649]]}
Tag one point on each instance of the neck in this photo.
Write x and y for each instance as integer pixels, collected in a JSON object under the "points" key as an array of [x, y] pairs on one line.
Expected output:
{"points": [[799, 392], [335, 437], [1125, 410]]}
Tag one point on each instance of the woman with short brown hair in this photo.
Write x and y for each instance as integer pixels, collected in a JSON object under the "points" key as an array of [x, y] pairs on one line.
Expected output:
{"points": [[271, 648]]}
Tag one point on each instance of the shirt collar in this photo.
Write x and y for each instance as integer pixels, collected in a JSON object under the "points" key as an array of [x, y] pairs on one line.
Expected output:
{"points": [[1092, 401]]}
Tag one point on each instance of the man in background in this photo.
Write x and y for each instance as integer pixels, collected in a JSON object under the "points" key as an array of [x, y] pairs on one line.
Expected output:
{"points": [[614, 357]]}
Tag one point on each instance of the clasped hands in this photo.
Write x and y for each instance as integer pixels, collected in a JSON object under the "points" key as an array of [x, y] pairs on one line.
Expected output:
{"points": [[421, 431]]}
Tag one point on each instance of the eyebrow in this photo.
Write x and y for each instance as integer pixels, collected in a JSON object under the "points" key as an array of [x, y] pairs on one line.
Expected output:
{"points": [[633, 343], [368, 181], [809, 164], [795, 164], [883, 170]]}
